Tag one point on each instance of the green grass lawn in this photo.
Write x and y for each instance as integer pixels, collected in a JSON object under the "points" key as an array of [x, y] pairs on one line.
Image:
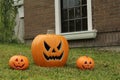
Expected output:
{"points": [[107, 65]]}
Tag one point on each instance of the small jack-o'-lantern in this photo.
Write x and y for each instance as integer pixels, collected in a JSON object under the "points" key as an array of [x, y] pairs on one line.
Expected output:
{"points": [[85, 63], [50, 50], [19, 62]]}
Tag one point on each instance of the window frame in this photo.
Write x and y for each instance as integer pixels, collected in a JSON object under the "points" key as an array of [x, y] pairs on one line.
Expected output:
{"points": [[78, 34]]}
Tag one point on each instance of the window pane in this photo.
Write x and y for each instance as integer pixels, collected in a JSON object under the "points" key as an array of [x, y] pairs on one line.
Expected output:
{"points": [[84, 24], [71, 3], [64, 14], [71, 26], [84, 11], [84, 2], [64, 4], [78, 25], [71, 13], [78, 12], [77, 2], [65, 26]]}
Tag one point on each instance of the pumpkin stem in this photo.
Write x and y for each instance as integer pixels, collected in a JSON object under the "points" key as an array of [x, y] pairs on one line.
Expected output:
{"points": [[86, 56]]}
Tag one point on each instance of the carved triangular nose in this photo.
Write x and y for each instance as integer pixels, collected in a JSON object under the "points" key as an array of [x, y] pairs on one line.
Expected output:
{"points": [[53, 50]]}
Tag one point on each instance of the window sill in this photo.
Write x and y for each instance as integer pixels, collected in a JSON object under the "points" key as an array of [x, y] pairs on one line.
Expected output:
{"points": [[80, 35]]}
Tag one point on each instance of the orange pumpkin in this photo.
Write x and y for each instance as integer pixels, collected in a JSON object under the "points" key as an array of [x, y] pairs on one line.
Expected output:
{"points": [[19, 62], [85, 63], [50, 50]]}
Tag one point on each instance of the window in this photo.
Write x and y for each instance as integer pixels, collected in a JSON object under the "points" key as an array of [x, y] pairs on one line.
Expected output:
{"points": [[73, 15], [73, 18]]}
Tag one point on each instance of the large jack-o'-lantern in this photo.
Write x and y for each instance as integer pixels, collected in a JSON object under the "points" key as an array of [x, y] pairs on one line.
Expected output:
{"points": [[50, 50]]}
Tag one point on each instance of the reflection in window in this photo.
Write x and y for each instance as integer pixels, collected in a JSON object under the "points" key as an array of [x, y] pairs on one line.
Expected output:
{"points": [[78, 13]]}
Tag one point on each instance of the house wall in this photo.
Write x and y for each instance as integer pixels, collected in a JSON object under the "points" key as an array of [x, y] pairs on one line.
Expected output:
{"points": [[40, 16]]}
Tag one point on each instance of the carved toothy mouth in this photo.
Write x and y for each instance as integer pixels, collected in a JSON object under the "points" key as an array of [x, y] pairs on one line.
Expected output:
{"points": [[53, 57], [18, 67], [89, 68]]}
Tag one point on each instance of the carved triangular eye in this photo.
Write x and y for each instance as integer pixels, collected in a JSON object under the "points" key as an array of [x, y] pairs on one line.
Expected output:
{"points": [[59, 46], [47, 47]]}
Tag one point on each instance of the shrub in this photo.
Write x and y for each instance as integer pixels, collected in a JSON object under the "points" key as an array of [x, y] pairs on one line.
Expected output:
{"points": [[7, 16]]}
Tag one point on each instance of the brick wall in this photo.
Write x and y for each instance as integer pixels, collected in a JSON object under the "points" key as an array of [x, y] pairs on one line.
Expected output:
{"points": [[106, 15], [39, 17]]}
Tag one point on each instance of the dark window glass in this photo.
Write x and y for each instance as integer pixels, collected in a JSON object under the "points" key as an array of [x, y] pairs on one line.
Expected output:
{"points": [[71, 13], [71, 3], [84, 11], [65, 5], [64, 14], [78, 12], [78, 25], [84, 24], [77, 2], [84, 2], [71, 25], [65, 26]]}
